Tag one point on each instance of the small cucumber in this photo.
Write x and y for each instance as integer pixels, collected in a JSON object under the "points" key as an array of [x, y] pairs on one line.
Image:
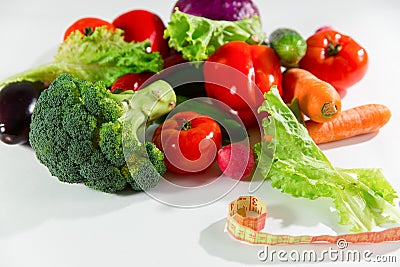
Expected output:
{"points": [[289, 45]]}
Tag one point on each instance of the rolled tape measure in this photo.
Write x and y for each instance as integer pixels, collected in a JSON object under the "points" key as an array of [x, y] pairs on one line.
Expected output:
{"points": [[247, 216]]}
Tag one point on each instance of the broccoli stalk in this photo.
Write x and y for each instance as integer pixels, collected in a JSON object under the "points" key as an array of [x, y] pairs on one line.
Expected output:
{"points": [[140, 109], [85, 134]]}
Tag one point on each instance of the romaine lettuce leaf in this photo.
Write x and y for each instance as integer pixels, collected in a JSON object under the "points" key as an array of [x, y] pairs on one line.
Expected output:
{"points": [[363, 198], [197, 37], [103, 55]]}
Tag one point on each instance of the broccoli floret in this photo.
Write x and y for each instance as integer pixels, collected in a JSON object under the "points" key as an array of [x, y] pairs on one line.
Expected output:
{"points": [[156, 157], [85, 134], [152, 162]]}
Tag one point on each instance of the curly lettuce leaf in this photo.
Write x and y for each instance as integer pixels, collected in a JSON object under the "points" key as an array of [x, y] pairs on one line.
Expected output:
{"points": [[197, 37], [375, 180], [363, 198], [103, 55]]}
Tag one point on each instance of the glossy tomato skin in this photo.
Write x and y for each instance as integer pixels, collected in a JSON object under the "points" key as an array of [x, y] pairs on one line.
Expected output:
{"points": [[130, 81], [189, 140], [335, 58], [173, 59], [267, 68], [139, 25], [249, 72], [227, 85], [87, 25]]}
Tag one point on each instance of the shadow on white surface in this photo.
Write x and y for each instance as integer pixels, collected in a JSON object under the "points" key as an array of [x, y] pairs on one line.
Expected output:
{"points": [[216, 242], [287, 213], [29, 196], [349, 141]]}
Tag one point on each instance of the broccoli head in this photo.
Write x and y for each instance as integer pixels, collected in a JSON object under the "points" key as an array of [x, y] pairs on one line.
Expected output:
{"points": [[83, 133]]}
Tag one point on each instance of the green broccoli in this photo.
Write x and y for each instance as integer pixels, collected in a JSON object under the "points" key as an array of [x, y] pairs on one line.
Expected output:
{"points": [[85, 134]]}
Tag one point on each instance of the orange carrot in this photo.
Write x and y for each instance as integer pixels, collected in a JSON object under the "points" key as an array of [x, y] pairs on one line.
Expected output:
{"points": [[317, 99], [352, 122]]}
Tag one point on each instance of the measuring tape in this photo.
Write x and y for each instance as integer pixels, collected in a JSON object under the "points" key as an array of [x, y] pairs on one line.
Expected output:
{"points": [[247, 228]]}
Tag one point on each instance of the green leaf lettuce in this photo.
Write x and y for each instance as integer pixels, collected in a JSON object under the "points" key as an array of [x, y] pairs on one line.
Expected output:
{"points": [[363, 198], [103, 55], [197, 37]]}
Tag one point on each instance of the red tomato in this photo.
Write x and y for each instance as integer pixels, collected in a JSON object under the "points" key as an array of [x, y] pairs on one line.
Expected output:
{"points": [[130, 81], [190, 142], [248, 65], [139, 25], [87, 26], [335, 58], [173, 60], [267, 68]]}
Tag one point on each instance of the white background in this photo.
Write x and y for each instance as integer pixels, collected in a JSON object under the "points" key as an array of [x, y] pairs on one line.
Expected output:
{"points": [[46, 223]]}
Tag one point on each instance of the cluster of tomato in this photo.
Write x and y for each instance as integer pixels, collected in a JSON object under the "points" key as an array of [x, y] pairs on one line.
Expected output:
{"points": [[330, 56], [138, 25]]}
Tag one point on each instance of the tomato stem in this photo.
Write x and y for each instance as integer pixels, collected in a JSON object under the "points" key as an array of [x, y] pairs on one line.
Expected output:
{"points": [[186, 125], [333, 49], [88, 31]]}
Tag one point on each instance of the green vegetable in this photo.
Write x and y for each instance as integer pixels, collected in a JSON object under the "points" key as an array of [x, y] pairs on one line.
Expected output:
{"points": [[289, 45], [295, 108], [85, 134], [101, 56], [362, 197], [197, 37]]}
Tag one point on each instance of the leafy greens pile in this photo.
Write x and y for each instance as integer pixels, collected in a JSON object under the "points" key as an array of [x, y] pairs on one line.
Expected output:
{"points": [[197, 37], [101, 56], [363, 198]]}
